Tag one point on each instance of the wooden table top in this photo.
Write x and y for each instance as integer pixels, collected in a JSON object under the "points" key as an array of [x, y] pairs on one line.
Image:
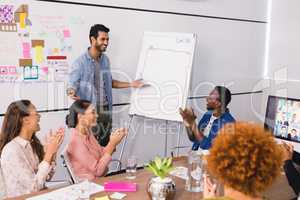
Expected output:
{"points": [[142, 180], [279, 191]]}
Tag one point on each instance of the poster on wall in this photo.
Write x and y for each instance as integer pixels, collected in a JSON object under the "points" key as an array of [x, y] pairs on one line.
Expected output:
{"points": [[33, 47]]}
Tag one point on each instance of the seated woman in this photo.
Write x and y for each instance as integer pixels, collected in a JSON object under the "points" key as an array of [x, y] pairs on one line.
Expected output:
{"points": [[89, 160], [25, 162], [245, 159]]}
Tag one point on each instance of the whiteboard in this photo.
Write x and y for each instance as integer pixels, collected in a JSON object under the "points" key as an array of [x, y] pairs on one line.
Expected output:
{"points": [[36, 52], [165, 66]]}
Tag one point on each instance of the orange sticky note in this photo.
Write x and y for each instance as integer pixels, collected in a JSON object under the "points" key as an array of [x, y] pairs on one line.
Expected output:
{"points": [[23, 20]]}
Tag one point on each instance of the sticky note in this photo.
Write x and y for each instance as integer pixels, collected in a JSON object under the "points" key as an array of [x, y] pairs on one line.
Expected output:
{"points": [[35, 43], [26, 54], [25, 62], [27, 72], [102, 198], [120, 186], [45, 70], [6, 14], [34, 72], [12, 70], [38, 54], [3, 70], [23, 20], [117, 195], [26, 46], [67, 33]]}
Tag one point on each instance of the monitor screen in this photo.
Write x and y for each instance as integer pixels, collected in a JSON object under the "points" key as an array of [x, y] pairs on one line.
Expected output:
{"points": [[283, 118]]}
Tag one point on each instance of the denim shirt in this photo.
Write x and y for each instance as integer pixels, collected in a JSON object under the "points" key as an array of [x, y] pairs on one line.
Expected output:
{"points": [[218, 123], [81, 78]]}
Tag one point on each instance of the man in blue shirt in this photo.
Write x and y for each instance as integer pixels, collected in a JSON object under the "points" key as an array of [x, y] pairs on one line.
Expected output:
{"points": [[90, 79], [211, 122]]}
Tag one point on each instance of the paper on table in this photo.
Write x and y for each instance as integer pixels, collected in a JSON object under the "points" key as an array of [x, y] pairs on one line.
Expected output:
{"points": [[117, 195], [72, 192], [180, 172]]}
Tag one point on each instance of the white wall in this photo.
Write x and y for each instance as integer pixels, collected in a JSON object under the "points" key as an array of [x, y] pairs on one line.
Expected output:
{"points": [[249, 10], [283, 61], [229, 52]]}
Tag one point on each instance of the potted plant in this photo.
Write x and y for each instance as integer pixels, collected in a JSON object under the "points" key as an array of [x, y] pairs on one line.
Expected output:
{"points": [[161, 187]]}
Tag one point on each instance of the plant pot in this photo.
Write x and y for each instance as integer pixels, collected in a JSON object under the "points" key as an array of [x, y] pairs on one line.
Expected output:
{"points": [[161, 189]]}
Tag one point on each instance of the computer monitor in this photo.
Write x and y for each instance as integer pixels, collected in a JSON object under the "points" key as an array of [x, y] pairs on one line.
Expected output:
{"points": [[283, 118]]}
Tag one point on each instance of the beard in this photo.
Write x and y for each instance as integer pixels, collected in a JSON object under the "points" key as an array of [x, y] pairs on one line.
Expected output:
{"points": [[209, 108], [100, 48]]}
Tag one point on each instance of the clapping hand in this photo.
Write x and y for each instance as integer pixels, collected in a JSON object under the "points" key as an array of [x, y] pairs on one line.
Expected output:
{"points": [[288, 151], [188, 116], [54, 140], [117, 136]]}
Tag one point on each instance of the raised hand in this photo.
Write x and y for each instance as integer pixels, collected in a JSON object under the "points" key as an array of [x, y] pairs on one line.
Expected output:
{"points": [[53, 143], [117, 136], [188, 116]]}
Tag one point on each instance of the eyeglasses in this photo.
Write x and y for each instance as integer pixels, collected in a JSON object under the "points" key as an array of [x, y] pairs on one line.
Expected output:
{"points": [[213, 97]]}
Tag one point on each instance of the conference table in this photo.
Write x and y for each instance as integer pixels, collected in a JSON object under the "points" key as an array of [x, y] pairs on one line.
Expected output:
{"points": [[278, 191]]}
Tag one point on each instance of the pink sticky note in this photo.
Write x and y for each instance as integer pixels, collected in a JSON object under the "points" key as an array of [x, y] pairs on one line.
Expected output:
{"points": [[67, 33], [26, 46], [26, 54], [120, 187], [3, 70], [45, 70]]}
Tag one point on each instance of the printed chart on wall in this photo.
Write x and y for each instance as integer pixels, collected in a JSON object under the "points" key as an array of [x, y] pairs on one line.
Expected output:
{"points": [[35, 54], [165, 66]]}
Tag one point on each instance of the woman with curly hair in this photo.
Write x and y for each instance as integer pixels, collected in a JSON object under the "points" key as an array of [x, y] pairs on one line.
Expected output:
{"points": [[245, 159]]}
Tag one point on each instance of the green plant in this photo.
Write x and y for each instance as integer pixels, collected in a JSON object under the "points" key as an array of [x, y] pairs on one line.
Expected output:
{"points": [[160, 166]]}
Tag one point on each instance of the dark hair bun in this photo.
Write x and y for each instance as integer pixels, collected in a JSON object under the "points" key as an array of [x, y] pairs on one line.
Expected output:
{"points": [[79, 106], [71, 121]]}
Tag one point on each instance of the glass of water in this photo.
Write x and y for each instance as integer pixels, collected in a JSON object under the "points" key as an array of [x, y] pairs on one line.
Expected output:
{"points": [[131, 167], [195, 173]]}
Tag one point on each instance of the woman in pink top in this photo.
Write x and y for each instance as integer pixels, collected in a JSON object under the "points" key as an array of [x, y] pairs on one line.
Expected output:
{"points": [[89, 160]]}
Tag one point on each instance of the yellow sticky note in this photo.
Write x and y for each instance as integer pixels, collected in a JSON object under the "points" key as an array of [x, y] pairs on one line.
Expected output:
{"points": [[23, 20], [102, 198], [38, 56]]}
